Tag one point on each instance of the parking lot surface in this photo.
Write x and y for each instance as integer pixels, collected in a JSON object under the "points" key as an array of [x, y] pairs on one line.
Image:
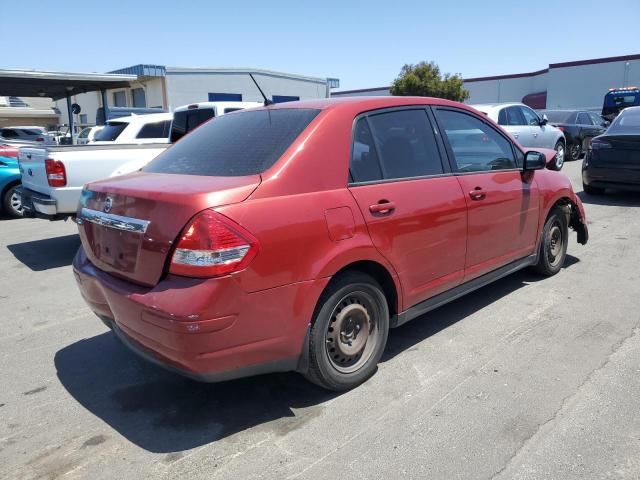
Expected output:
{"points": [[528, 378]]}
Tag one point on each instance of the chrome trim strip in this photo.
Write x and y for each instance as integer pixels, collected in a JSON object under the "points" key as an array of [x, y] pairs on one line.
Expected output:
{"points": [[109, 220]]}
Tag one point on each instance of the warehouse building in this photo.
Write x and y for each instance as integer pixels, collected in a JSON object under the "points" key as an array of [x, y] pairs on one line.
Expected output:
{"points": [[578, 84], [162, 87]]}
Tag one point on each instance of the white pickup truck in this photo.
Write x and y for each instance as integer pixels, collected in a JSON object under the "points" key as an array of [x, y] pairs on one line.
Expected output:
{"points": [[53, 177]]}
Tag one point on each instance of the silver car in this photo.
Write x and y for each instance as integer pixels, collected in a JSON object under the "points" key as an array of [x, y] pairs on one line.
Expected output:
{"points": [[527, 127]]}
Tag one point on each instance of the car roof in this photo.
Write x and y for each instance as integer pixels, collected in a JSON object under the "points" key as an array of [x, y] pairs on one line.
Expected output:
{"points": [[147, 118], [221, 104]]}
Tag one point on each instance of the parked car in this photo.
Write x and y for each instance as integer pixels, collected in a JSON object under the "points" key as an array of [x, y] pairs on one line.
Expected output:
{"points": [[617, 99], [578, 126], [87, 135], [613, 161], [28, 134], [53, 176], [188, 117], [529, 129], [298, 249], [10, 201], [151, 128]]}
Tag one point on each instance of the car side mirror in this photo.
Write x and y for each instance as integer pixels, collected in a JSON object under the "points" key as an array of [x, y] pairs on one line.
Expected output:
{"points": [[534, 161], [544, 120]]}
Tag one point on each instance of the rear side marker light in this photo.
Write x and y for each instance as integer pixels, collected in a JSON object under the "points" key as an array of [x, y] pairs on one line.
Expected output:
{"points": [[212, 245], [56, 173]]}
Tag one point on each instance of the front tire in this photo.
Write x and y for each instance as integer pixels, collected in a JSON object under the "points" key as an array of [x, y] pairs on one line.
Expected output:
{"points": [[553, 245], [560, 154], [348, 333], [12, 202]]}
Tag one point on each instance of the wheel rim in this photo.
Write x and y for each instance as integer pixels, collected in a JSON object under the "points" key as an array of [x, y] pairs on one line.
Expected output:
{"points": [[559, 155], [555, 244], [15, 202], [575, 152], [352, 333]]}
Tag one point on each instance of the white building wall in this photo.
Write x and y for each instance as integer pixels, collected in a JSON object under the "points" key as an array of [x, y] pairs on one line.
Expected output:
{"points": [[505, 89], [584, 86], [186, 86]]}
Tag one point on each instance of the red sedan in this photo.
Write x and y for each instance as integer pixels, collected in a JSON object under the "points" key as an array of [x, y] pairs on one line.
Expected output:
{"points": [[292, 237]]}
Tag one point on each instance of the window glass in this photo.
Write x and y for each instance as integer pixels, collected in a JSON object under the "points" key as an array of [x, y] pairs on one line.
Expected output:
{"points": [[225, 97], [138, 97], [155, 130], [558, 116], [246, 143], [8, 133], [110, 132], [597, 119], [515, 117], [476, 146], [407, 145], [502, 117], [187, 120], [583, 119], [284, 98], [530, 117], [84, 133], [230, 109], [119, 99], [365, 165], [627, 123]]}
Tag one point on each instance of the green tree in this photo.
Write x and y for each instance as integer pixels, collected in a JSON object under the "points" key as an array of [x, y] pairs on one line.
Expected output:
{"points": [[425, 80]]}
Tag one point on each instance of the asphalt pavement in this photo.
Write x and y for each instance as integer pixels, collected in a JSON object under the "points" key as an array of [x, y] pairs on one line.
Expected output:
{"points": [[528, 378]]}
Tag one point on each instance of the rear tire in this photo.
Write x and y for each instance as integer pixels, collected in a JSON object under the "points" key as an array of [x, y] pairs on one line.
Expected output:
{"points": [[553, 245], [589, 190], [575, 151], [560, 154], [348, 332], [12, 203]]}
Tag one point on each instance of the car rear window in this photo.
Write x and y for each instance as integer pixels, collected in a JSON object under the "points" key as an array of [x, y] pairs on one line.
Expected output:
{"points": [[246, 143], [187, 120], [628, 122], [110, 132]]}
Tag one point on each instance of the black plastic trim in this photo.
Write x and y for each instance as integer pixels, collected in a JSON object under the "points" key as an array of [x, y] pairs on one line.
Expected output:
{"points": [[457, 292]]}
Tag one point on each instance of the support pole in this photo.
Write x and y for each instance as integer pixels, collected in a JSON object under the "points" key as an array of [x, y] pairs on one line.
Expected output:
{"points": [[70, 113], [105, 106]]}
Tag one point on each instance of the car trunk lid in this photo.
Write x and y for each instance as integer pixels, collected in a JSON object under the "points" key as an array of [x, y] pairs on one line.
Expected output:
{"points": [[128, 225]]}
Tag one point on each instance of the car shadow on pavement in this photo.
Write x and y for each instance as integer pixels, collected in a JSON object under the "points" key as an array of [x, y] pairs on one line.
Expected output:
{"points": [[612, 198], [41, 255], [164, 413]]}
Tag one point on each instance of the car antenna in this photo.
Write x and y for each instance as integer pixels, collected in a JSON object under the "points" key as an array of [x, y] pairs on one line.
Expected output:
{"points": [[267, 102]]}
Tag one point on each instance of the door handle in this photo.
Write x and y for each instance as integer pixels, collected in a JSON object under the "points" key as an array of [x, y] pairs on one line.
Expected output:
{"points": [[515, 135], [535, 134], [477, 194], [383, 207]]}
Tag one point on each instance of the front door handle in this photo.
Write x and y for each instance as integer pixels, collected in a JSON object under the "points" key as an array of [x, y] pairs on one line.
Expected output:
{"points": [[515, 135], [477, 194], [383, 207], [535, 134]]}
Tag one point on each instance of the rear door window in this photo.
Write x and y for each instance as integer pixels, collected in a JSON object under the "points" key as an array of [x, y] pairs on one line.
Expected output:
{"points": [[111, 131], [475, 145], [246, 143], [155, 130], [393, 145], [187, 120], [515, 116]]}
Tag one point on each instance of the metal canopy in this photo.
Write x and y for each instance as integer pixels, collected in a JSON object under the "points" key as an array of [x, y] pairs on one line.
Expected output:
{"points": [[58, 85]]}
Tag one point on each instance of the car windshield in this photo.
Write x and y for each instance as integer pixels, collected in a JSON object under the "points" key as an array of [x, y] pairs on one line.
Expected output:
{"points": [[557, 116], [110, 132], [627, 123], [245, 143]]}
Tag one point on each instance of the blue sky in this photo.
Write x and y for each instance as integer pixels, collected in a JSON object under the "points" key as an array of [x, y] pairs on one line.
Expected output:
{"points": [[363, 43]]}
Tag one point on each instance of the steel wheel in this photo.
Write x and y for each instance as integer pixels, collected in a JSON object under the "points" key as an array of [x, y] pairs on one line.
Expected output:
{"points": [[554, 245], [560, 152], [352, 333]]}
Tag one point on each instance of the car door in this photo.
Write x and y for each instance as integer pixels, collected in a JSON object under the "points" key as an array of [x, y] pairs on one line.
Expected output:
{"points": [[413, 206], [544, 136], [512, 120], [587, 129], [503, 204]]}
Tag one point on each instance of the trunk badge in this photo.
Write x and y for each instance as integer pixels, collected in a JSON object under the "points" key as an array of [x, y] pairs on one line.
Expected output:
{"points": [[108, 204]]}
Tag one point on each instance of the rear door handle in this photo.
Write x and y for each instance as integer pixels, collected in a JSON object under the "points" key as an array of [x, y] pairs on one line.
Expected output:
{"points": [[383, 207], [477, 194]]}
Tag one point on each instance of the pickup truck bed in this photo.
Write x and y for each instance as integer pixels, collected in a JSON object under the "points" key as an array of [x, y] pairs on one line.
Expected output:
{"points": [[82, 164]]}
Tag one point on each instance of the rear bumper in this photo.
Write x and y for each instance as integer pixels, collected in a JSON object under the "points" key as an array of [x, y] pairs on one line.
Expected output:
{"points": [[610, 178], [209, 330], [38, 205]]}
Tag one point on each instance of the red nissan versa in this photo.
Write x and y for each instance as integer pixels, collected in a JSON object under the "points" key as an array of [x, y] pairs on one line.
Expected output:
{"points": [[292, 237]]}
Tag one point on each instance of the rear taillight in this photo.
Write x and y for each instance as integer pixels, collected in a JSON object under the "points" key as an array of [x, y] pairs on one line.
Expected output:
{"points": [[212, 245], [561, 128], [56, 174]]}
